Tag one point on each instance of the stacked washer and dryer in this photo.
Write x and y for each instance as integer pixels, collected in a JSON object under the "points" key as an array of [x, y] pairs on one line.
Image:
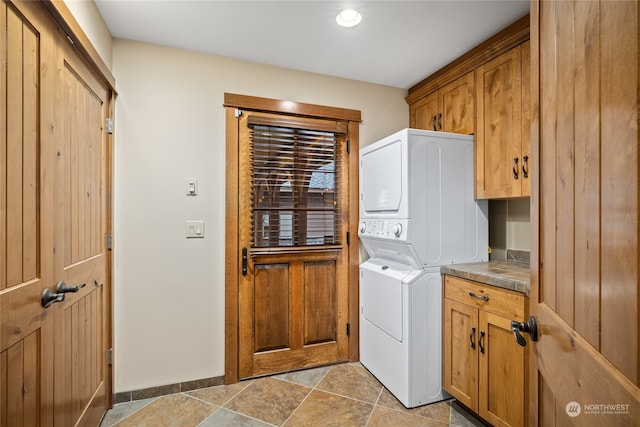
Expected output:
{"points": [[417, 212]]}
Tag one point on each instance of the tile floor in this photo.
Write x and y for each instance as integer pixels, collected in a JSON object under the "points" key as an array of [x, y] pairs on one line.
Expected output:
{"points": [[341, 395]]}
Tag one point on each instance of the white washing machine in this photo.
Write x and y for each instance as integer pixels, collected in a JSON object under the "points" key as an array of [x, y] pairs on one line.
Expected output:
{"points": [[417, 213]]}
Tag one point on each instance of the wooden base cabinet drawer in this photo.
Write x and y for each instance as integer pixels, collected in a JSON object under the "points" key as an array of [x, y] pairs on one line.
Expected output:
{"points": [[484, 297], [483, 365]]}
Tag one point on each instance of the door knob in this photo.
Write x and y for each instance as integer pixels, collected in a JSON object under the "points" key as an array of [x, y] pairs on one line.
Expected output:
{"points": [[530, 327], [62, 288], [49, 297]]}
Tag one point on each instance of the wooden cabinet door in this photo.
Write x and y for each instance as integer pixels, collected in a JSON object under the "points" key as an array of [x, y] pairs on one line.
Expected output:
{"points": [[501, 372], [460, 357], [456, 101], [424, 113], [499, 129], [525, 150]]}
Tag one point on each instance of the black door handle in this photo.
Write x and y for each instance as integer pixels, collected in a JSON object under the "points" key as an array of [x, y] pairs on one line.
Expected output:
{"points": [[244, 261], [515, 168], [481, 342], [49, 297], [530, 327], [62, 288]]}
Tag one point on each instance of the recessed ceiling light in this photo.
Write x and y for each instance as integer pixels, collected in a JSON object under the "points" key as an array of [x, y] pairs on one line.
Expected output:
{"points": [[348, 18]]}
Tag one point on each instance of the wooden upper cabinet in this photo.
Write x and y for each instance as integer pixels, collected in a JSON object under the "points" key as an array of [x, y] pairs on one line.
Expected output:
{"points": [[457, 104], [424, 113], [449, 109], [502, 136]]}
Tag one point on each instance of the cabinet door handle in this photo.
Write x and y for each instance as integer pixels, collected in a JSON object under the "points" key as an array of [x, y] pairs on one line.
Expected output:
{"points": [[440, 121], [433, 122], [482, 297], [481, 341], [525, 168], [472, 336], [515, 168]]}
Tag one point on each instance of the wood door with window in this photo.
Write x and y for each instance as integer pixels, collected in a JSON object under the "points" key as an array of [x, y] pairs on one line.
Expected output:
{"points": [[585, 265], [53, 221], [290, 291]]}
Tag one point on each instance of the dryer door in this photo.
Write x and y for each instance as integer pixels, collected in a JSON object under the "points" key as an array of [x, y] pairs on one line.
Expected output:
{"points": [[381, 287]]}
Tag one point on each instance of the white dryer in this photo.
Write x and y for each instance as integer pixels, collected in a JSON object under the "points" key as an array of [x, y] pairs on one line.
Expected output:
{"points": [[417, 213]]}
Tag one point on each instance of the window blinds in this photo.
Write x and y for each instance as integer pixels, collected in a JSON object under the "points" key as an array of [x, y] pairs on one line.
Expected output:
{"points": [[295, 182]]}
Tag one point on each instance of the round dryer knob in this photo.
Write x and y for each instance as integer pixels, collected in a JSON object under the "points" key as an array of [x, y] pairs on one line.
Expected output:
{"points": [[397, 230], [363, 227]]}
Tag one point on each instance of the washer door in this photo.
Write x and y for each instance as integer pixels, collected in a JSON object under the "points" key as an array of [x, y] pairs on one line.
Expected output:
{"points": [[381, 288]]}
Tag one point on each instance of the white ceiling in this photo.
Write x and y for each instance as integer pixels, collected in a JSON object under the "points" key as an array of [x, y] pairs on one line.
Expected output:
{"points": [[397, 44]]}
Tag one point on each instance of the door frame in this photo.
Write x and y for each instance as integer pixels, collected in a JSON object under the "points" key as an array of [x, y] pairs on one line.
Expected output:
{"points": [[64, 19], [233, 102]]}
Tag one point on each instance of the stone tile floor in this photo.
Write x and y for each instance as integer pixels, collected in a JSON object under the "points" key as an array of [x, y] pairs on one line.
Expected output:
{"points": [[340, 395]]}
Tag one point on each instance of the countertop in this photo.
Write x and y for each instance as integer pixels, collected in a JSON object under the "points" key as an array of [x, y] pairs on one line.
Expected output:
{"points": [[506, 274]]}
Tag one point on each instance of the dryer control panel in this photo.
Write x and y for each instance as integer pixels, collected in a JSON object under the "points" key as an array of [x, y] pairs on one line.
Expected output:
{"points": [[396, 229]]}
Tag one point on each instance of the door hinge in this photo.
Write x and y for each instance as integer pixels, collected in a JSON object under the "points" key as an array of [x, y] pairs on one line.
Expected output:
{"points": [[110, 356], [348, 329], [108, 125], [348, 146], [109, 240], [348, 238], [238, 112]]}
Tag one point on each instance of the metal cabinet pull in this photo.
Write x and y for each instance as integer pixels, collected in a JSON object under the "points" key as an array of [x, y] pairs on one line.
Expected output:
{"points": [[482, 297], [481, 341], [440, 121], [433, 122], [515, 168], [525, 168], [472, 335]]}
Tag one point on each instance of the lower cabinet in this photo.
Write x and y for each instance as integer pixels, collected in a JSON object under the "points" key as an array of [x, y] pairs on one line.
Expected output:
{"points": [[483, 365]]}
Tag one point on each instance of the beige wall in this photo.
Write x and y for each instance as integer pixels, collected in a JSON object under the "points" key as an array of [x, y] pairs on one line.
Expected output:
{"points": [[89, 18], [169, 291], [509, 226]]}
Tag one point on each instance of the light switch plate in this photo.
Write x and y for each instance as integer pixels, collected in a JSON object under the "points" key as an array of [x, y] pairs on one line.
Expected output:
{"points": [[195, 229], [192, 187]]}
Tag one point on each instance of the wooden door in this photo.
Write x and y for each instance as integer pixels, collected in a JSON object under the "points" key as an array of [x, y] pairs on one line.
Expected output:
{"points": [[457, 106], [424, 113], [501, 372], [499, 131], [82, 381], [293, 295], [53, 222], [26, 204], [460, 343], [585, 268]]}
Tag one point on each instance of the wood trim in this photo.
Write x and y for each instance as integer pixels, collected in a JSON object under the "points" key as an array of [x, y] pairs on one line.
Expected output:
{"points": [[354, 247], [296, 123], [507, 39], [232, 222], [65, 19], [289, 107], [532, 380]]}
